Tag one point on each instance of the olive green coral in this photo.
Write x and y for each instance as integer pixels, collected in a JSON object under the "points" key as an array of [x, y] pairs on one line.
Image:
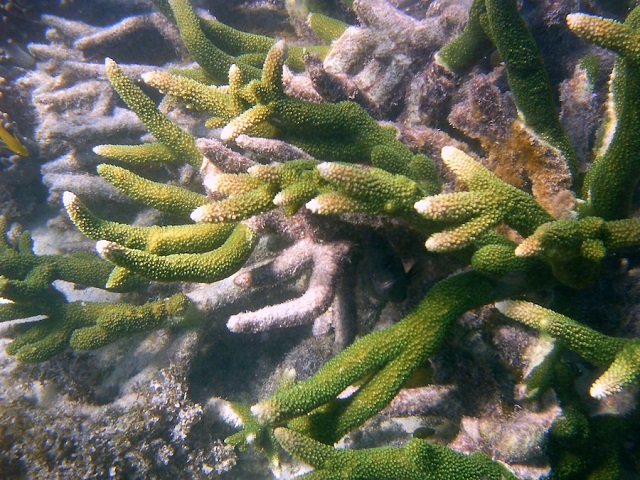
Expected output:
{"points": [[216, 46], [418, 460], [498, 22], [87, 326], [621, 356], [488, 203], [342, 131], [213, 61], [208, 267], [611, 179], [575, 248], [20, 262], [26, 284], [382, 361], [463, 51], [363, 167], [173, 139]]}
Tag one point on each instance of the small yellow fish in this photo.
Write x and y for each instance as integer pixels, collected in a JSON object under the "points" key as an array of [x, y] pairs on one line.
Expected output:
{"points": [[12, 143]]}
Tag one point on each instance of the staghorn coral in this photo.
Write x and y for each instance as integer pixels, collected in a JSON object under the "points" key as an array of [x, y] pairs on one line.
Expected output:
{"points": [[357, 174], [418, 460], [26, 287]]}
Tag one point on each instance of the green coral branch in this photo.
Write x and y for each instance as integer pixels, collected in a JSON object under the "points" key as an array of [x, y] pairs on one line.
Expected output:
{"points": [[288, 185], [21, 262], [327, 188], [622, 38], [166, 198], [370, 190], [242, 44], [344, 131], [159, 240], [575, 248], [611, 180], [211, 59], [190, 267], [621, 356], [26, 283], [472, 44], [500, 23], [418, 460], [88, 326], [216, 46], [178, 142], [382, 361], [527, 77], [488, 203], [136, 154], [223, 103], [327, 28], [108, 322]]}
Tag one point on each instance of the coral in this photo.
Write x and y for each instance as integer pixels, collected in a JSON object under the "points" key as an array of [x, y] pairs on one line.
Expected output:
{"points": [[373, 63], [326, 265], [488, 203], [142, 424], [318, 208], [501, 23], [26, 285], [610, 181], [619, 355], [512, 151], [417, 460], [169, 135], [382, 361], [575, 248]]}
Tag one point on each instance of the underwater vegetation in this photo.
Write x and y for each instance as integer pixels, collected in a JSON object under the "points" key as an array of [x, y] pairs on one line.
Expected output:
{"points": [[382, 236]]}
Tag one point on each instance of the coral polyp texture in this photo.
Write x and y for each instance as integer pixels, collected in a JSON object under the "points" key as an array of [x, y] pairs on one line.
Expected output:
{"points": [[391, 240]]}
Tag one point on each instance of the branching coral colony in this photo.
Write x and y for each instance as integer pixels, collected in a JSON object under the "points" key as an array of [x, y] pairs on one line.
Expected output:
{"points": [[340, 161]]}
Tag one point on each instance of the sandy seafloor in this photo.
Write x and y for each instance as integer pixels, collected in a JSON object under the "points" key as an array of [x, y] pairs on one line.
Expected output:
{"points": [[153, 405]]}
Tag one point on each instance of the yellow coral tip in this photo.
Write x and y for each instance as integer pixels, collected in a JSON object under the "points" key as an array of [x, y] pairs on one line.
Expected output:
{"points": [[574, 18], [228, 133], [597, 392], [452, 155], [198, 215], [323, 168], [105, 247], [261, 411], [528, 248], [604, 386], [423, 206], [313, 205], [448, 151], [280, 199], [68, 199], [99, 149], [433, 244]]}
